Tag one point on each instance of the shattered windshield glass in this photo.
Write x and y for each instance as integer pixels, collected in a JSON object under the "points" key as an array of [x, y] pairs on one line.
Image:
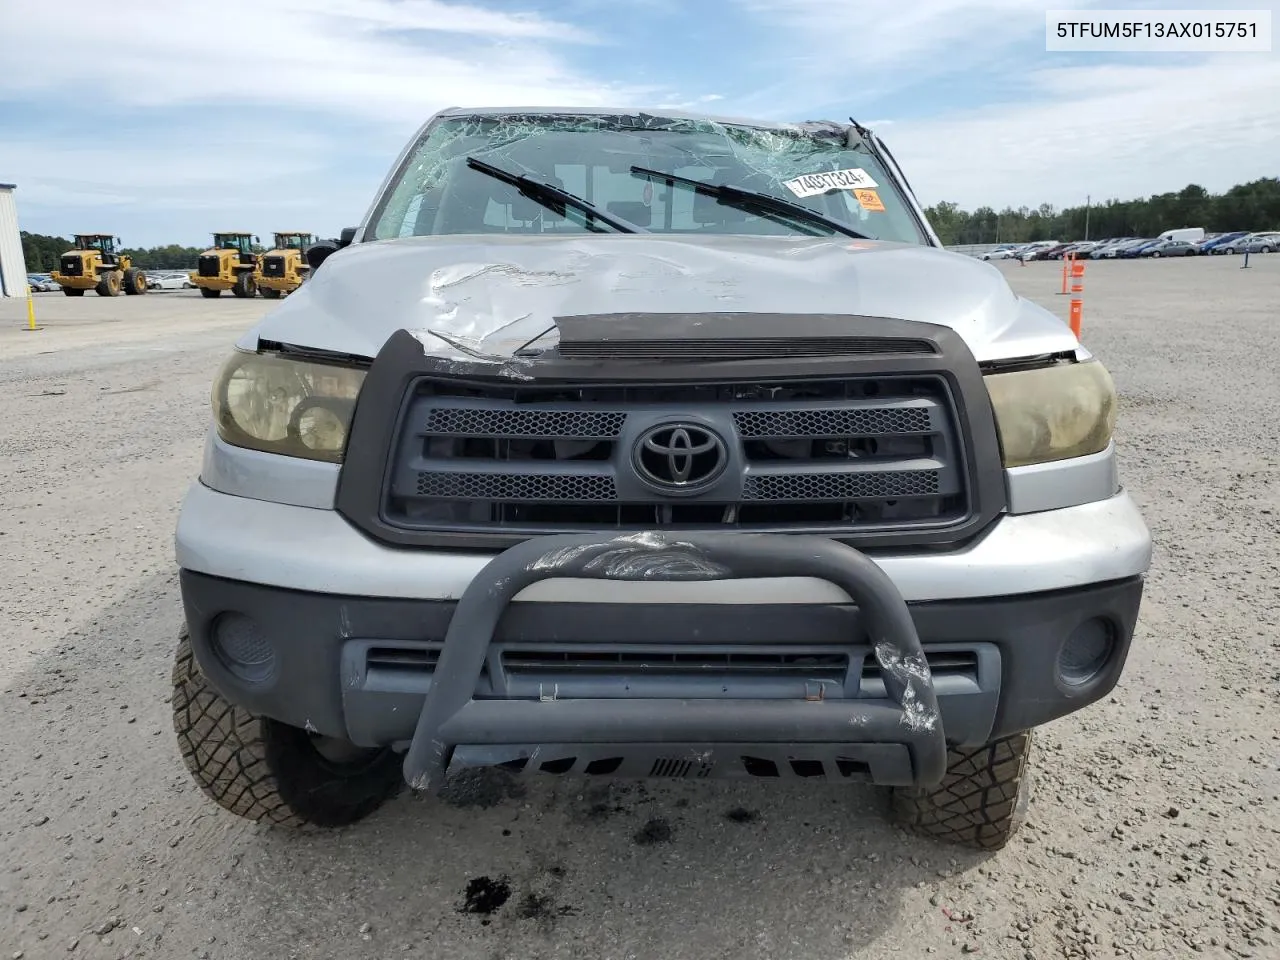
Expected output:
{"points": [[591, 156]]}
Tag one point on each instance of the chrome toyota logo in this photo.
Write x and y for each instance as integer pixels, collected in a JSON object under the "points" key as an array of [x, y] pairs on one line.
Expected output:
{"points": [[680, 456]]}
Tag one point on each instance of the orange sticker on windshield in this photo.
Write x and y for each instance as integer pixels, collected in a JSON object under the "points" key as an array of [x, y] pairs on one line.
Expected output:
{"points": [[869, 200]]}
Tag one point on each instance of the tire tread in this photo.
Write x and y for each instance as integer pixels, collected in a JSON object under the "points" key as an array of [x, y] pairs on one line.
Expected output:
{"points": [[977, 802]]}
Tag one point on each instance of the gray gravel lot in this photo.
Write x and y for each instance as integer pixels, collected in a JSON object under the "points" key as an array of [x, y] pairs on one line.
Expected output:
{"points": [[1154, 828]]}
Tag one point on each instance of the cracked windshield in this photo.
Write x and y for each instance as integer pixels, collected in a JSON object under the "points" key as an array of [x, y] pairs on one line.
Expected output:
{"points": [[804, 180]]}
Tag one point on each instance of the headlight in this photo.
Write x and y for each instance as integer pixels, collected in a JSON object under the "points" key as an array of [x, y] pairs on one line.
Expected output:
{"points": [[291, 407], [1053, 413]]}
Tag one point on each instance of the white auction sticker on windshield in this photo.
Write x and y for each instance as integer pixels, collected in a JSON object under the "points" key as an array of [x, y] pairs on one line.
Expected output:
{"points": [[813, 184]]}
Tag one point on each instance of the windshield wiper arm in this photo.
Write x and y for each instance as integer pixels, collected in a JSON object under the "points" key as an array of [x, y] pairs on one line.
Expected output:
{"points": [[546, 193], [738, 197]]}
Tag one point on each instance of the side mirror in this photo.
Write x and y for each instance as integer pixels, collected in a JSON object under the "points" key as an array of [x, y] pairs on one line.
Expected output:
{"points": [[257, 239], [346, 237], [319, 252]]}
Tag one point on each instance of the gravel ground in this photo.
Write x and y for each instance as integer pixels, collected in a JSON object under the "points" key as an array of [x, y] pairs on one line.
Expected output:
{"points": [[1153, 829]]}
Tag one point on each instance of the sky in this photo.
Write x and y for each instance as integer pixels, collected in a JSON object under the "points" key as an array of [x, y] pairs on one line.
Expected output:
{"points": [[163, 121]]}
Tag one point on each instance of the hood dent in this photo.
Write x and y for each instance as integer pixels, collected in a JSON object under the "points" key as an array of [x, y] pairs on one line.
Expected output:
{"points": [[472, 298]]}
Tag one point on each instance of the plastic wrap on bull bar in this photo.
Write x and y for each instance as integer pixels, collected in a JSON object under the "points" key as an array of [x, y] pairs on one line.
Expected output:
{"points": [[450, 716]]}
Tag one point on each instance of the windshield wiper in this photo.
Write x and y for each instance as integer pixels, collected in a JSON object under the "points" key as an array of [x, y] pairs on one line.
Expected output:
{"points": [[738, 197], [547, 194]]}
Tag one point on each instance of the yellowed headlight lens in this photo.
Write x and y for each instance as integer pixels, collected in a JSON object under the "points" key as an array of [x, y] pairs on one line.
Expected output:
{"points": [[290, 407], [1067, 410]]}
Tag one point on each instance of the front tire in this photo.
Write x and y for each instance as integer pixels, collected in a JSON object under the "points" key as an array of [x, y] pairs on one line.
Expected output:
{"points": [[135, 282], [73, 291], [981, 801], [209, 294], [108, 284], [264, 770], [245, 287], [269, 293]]}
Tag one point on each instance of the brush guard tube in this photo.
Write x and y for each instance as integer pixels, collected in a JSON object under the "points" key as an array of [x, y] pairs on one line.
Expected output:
{"points": [[452, 716]]}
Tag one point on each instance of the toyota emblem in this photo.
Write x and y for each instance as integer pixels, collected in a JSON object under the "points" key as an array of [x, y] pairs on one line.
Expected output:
{"points": [[680, 456]]}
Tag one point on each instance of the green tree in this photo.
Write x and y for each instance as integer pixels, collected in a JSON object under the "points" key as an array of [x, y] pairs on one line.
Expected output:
{"points": [[1247, 206]]}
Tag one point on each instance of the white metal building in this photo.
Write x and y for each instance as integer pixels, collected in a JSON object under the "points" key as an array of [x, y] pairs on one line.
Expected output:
{"points": [[13, 267]]}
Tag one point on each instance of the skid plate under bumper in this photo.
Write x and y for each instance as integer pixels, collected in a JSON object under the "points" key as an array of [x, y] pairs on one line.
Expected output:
{"points": [[453, 718]]}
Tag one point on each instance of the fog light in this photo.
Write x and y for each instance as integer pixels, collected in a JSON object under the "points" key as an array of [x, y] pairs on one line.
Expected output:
{"points": [[243, 649], [1086, 652]]}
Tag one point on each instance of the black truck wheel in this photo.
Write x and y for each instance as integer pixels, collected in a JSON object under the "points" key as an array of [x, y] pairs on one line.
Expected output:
{"points": [[108, 284], [245, 287], [982, 800], [73, 291], [270, 293], [135, 282], [264, 770], [209, 294]]}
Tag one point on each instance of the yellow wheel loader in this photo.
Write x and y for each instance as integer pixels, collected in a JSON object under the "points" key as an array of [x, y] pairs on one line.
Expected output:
{"points": [[230, 264], [283, 268], [95, 265]]}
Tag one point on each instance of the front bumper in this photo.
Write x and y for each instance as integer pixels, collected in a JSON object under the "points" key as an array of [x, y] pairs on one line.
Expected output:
{"points": [[283, 284], [315, 550], [83, 282], [452, 682]]}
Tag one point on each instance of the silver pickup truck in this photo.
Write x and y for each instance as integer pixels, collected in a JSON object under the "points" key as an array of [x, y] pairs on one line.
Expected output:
{"points": [[621, 444]]}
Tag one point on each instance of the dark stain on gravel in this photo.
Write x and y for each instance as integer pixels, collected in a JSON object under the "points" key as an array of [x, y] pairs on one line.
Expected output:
{"points": [[742, 815], [485, 896], [656, 830]]}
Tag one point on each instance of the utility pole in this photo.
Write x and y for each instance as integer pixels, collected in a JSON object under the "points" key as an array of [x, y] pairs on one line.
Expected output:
{"points": [[1086, 216]]}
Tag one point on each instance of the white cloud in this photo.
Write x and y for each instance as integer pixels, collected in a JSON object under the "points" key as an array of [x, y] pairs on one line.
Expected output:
{"points": [[853, 53], [1108, 131], [1120, 127], [268, 93], [389, 60]]}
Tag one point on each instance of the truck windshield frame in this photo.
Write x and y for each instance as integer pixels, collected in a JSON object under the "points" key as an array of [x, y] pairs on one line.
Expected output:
{"points": [[824, 168]]}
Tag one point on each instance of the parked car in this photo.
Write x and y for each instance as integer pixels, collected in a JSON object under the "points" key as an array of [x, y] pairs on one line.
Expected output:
{"points": [[1215, 244], [1169, 248], [41, 283], [1036, 249], [168, 281], [1079, 250], [1238, 244], [1268, 242], [1190, 234], [1005, 251], [1136, 249], [1109, 249]]}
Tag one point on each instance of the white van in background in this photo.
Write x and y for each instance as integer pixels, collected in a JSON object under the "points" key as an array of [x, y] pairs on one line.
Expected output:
{"points": [[1190, 234]]}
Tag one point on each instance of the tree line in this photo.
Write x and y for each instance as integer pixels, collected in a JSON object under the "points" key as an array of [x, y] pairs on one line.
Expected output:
{"points": [[43, 252], [1247, 206]]}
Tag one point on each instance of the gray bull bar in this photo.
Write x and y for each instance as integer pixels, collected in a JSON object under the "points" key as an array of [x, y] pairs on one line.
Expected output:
{"points": [[452, 716]]}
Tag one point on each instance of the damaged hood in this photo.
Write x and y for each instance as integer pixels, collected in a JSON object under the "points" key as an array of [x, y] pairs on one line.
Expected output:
{"points": [[492, 295]]}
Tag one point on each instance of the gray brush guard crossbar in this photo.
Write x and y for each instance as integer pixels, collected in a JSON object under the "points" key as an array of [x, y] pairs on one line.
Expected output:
{"points": [[451, 716]]}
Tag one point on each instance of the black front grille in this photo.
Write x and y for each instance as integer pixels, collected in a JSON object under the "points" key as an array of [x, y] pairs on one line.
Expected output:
{"points": [[672, 670], [273, 266], [208, 266], [516, 487], [839, 454], [72, 267], [850, 486], [517, 424]]}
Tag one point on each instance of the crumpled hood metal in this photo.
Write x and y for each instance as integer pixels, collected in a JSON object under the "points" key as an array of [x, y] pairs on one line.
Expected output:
{"points": [[491, 295]]}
